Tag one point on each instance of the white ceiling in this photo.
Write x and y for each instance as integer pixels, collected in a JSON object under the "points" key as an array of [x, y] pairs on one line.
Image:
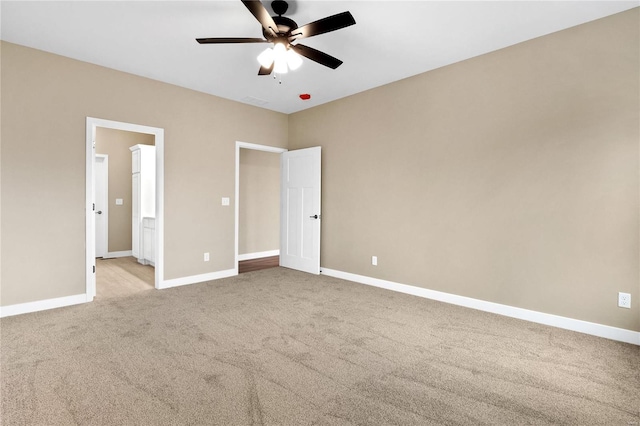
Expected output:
{"points": [[391, 40]]}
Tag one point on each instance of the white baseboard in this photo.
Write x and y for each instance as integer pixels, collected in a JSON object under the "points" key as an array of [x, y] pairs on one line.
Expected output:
{"points": [[42, 305], [114, 254], [258, 255], [600, 330], [145, 262], [176, 282]]}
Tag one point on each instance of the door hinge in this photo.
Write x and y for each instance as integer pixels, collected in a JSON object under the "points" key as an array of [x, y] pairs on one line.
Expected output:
{"points": [[94, 207], [94, 269]]}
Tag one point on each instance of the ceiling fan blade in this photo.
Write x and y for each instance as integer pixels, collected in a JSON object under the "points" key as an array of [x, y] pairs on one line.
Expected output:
{"points": [[219, 40], [262, 15], [265, 70], [317, 56], [321, 26]]}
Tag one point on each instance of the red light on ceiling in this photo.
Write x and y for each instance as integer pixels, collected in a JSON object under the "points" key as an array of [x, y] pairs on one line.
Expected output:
{"points": [[305, 96]]}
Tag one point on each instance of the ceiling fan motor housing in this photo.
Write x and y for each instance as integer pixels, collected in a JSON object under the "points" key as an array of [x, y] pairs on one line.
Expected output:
{"points": [[284, 26]]}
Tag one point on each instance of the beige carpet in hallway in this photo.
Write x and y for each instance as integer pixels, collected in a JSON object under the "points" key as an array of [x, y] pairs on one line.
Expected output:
{"points": [[281, 347]]}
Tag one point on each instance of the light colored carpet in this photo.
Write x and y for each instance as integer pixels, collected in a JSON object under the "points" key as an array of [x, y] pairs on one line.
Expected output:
{"points": [[281, 347]]}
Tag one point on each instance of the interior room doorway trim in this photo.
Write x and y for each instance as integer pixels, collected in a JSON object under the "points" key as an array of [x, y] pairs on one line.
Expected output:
{"points": [[257, 147], [158, 133]]}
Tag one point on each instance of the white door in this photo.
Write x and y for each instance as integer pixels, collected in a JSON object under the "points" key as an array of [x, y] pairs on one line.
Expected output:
{"points": [[300, 210], [101, 194]]}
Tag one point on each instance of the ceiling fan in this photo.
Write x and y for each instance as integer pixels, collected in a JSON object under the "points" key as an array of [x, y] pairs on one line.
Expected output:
{"points": [[283, 32]]}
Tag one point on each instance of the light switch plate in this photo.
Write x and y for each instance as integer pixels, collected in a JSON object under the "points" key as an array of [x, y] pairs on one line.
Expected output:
{"points": [[225, 201], [118, 201]]}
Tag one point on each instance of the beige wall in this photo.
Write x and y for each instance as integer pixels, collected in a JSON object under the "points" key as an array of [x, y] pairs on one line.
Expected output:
{"points": [[45, 102], [259, 213], [115, 144], [512, 177]]}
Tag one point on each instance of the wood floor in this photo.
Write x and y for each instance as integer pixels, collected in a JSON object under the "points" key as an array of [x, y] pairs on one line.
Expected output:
{"points": [[122, 276], [257, 264]]}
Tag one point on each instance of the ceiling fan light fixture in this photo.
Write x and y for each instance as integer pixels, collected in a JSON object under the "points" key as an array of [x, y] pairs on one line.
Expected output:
{"points": [[280, 67], [280, 59], [293, 60], [282, 31], [266, 57]]}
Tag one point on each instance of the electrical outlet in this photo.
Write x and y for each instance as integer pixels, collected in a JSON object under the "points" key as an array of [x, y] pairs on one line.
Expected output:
{"points": [[624, 300], [206, 257], [374, 260]]}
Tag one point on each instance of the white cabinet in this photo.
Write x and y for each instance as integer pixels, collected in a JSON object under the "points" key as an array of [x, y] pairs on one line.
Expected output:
{"points": [[149, 240], [135, 214], [143, 201]]}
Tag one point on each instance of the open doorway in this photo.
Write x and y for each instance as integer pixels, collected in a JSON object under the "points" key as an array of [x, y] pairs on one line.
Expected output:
{"points": [[117, 264], [257, 206], [121, 270]]}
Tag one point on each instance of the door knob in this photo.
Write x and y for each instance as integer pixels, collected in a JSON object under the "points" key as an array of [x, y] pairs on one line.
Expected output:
{"points": [[99, 212], [315, 216]]}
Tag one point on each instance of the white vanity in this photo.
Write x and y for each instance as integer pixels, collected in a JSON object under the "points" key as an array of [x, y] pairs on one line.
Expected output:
{"points": [[143, 208]]}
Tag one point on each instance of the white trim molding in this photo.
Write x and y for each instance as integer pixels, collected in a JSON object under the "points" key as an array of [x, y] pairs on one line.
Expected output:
{"points": [[195, 279], [114, 254], [594, 329], [60, 302], [158, 133], [42, 305], [258, 255]]}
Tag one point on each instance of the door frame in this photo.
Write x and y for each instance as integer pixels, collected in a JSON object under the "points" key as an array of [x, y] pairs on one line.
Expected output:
{"points": [[105, 210], [257, 147], [90, 225]]}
